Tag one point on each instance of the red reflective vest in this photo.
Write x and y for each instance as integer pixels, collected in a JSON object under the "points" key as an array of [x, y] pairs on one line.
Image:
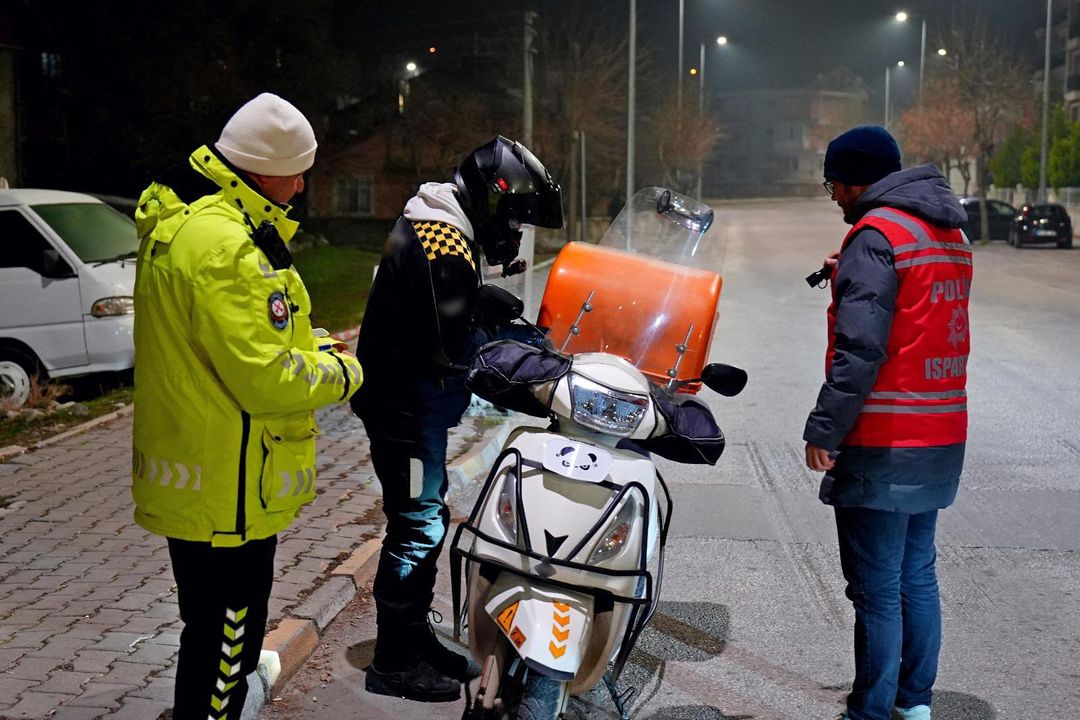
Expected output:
{"points": [[919, 398]]}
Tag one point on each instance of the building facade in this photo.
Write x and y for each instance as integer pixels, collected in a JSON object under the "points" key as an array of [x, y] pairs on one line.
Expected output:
{"points": [[774, 141]]}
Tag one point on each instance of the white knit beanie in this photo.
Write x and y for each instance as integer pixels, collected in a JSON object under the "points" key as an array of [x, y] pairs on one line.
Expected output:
{"points": [[268, 136]]}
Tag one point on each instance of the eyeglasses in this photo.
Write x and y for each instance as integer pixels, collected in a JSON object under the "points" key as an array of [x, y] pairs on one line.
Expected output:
{"points": [[830, 186]]}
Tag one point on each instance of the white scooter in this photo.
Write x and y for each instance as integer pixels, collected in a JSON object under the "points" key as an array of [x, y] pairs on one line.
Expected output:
{"points": [[564, 547]]}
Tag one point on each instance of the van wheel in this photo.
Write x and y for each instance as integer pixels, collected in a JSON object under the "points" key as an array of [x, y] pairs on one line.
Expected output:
{"points": [[17, 368]]}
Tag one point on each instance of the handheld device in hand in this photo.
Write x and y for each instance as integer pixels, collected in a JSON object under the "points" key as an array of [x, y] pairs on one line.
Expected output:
{"points": [[819, 278]]}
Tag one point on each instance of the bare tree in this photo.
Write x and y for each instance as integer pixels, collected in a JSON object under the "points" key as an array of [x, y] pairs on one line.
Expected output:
{"points": [[939, 129], [580, 84], [987, 77], [678, 141]]}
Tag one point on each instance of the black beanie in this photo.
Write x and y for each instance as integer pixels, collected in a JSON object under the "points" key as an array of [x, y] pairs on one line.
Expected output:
{"points": [[862, 156]]}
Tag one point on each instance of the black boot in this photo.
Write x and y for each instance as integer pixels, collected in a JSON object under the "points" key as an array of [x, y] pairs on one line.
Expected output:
{"points": [[440, 657], [416, 681]]}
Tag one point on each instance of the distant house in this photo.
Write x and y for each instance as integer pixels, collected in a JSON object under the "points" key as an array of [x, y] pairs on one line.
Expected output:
{"points": [[355, 193], [1064, 56], [774, 140]]}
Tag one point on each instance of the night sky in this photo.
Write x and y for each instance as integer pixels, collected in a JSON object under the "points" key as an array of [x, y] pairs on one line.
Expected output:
{"points": [[773, 43]]}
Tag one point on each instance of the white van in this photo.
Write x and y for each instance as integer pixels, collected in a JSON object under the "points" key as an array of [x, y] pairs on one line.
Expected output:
{"points": [[67, 275]]}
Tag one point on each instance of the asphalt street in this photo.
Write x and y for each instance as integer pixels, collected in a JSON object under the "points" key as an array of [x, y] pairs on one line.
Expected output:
{"points": [[753, 621]]}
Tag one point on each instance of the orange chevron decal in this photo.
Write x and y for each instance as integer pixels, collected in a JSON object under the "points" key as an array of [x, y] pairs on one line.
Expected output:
{"points": [[560, 635], [562, 607], [562, 620], [556, 651]]}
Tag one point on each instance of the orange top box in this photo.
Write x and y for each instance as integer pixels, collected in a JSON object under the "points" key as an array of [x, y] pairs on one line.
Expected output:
{"points": [[643, 309]]}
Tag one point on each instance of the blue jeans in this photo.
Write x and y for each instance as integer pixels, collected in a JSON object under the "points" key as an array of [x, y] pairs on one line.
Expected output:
{"points": [[411, 467], [888, 559]]}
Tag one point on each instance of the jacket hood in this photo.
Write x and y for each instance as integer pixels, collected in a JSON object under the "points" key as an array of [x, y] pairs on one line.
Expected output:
{"points": [[437, 202], [922, 191]]}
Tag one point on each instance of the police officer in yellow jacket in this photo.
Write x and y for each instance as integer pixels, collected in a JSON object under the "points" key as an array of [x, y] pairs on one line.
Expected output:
{"points": [[227, 379]]}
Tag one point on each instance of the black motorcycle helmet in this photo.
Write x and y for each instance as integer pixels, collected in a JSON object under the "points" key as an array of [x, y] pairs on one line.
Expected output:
{"points": [[501, 186]]}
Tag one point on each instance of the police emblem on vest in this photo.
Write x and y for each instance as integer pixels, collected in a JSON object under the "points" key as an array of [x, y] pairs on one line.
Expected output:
{"points": [[278, 310]]}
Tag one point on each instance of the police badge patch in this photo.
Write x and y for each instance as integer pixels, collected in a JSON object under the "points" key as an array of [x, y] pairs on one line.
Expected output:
{"points": [[278, 310]]}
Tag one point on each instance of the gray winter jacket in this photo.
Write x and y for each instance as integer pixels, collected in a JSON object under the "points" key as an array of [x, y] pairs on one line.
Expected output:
{"points": [[910, 480]]}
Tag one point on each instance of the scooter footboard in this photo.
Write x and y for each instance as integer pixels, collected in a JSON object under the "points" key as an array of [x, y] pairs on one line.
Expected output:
{"points": [[549, 627]]}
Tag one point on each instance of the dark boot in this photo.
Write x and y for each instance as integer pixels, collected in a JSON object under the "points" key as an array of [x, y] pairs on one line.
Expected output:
{"points": [[440, 657], [416, 681], [400, 670]]}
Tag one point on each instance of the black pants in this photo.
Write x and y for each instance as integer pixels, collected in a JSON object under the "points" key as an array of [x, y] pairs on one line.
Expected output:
{"points": [[223, 595]]}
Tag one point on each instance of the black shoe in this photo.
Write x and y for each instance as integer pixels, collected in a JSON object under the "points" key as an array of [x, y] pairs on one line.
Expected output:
{"points": [[419, 681], [442, 658]]}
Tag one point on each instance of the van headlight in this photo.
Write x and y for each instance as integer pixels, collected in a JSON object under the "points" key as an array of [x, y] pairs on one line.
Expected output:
{"points": [[601, 408], [107, 307], [616, 537]]}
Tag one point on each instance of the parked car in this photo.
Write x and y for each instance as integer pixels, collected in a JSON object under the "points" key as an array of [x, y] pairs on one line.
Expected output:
{"points": [[67, 276], [999, 215], [1040, 224]]}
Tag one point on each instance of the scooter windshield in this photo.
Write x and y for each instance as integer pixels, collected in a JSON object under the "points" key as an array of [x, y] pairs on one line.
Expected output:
{"points": [[644, 292]]}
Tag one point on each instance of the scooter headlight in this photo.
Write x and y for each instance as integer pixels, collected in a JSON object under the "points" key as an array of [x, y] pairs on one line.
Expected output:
{"points": [[606, 410], [617, 536], [506, 509]]}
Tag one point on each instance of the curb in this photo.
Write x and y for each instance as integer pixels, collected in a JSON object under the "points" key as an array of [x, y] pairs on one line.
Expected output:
{"points": [[6, 453], [291, 643]]}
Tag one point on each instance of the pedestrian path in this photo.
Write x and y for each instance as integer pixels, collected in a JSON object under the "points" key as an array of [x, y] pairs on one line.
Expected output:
{"points": [[89, 624]]}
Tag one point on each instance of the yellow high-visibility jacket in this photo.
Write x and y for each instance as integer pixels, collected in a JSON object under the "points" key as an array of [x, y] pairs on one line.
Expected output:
{"points": [[227, 374]]}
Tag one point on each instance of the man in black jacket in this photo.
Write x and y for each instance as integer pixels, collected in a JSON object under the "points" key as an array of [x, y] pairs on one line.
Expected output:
{"points": [[890, 424], [417, 338]]}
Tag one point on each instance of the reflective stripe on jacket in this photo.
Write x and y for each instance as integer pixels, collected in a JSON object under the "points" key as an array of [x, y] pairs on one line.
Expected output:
{"points": [[919, 397], [227, 375]]}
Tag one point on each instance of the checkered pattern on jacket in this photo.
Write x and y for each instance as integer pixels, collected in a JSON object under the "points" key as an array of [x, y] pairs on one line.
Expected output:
{"points": [[439, 238]]}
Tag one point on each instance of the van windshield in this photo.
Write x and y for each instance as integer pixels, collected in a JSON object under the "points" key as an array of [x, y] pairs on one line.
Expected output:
{"points": [[94, 231]]}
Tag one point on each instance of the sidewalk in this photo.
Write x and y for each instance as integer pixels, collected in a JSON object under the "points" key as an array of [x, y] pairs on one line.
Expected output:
{"points": [[89, 626]]}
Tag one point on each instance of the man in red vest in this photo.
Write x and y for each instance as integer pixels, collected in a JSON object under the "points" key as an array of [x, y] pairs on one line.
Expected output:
{"points": [[890, 423]]}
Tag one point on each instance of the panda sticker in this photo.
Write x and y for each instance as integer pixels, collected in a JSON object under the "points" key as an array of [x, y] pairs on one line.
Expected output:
{"points": [[576, 460]]}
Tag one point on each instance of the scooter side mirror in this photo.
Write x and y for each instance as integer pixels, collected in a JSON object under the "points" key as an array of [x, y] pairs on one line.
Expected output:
{"points": [[497, 304], [727, 380]]}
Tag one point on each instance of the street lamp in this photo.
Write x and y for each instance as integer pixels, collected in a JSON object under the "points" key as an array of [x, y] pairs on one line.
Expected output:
{"points": [[1046, 105], [721, 41], [903, 17], [942, 52], [888, 90]]}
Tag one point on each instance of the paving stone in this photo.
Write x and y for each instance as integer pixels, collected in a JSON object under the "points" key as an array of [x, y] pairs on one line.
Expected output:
{"points": [[135, 708], [95, 661], [36, 705], [34, 667], [101, 695], [61, 648], [71, 712], [133, 601], [67, 682], [159, 688], [117, 641], [153, 654], [124, 672], [142, 625], [31, 639]]}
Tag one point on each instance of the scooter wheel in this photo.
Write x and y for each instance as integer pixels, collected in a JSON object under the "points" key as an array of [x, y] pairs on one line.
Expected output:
{"points": [[542, 699]]}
